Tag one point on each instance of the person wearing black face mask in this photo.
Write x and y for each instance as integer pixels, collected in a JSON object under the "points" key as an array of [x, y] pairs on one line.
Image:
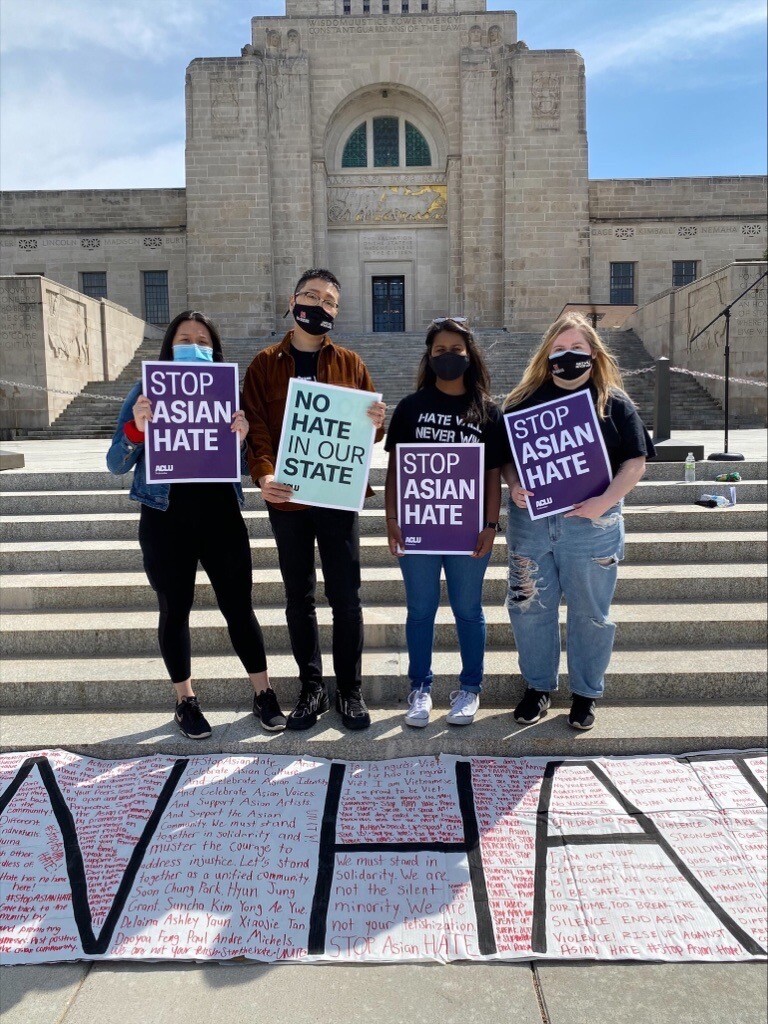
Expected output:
{"points": [[307, 352], [451, 405], [571, 554]]}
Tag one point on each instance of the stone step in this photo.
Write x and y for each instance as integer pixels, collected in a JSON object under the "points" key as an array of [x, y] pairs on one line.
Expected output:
{"points": [[621, 729], [123, 525], [60, 591], [722, 546], [684, 674], [103, 501], [134, 633], [25, 480]]}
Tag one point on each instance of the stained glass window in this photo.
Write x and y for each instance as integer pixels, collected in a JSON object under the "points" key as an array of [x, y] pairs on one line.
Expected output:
{"points": [[356, 149], [386, 142], [416, 148]]}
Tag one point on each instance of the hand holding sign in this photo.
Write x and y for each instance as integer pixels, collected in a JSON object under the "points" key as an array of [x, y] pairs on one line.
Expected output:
{"points": [[193, 426], [559, 454], [325, 445]]}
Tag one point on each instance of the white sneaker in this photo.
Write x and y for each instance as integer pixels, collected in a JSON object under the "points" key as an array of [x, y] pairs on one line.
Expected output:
{"points": [[464, 707], [417, 714]]}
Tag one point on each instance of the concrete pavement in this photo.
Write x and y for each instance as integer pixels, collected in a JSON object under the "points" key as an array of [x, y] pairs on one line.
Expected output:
{"points": [[236, 993]]}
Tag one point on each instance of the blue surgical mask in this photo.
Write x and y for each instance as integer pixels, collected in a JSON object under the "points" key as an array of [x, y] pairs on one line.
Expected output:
{"points": [[192, 354]]}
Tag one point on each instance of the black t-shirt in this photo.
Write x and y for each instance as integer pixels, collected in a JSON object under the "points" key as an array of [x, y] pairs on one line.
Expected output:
{"points": [[429, 416], [623, 431], [305, 363]]}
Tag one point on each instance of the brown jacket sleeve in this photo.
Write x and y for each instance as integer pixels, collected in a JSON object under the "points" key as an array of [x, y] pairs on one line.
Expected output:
{"points": [[365, 383], [261, 454]]}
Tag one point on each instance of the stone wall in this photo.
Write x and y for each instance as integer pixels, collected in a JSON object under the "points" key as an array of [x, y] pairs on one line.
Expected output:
{"points": [[229, 246], [54, 337], [667, 324], [123, 233], [546, 226], [652, 222]]}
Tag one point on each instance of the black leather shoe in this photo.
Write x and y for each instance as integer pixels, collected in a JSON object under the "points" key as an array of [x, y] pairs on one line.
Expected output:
{"points": [[351, 707], [310, 705]]}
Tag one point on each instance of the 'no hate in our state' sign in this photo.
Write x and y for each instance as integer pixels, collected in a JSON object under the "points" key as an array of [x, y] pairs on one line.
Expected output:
{"points": [[559, 453], [190, 437], [326, 443]]}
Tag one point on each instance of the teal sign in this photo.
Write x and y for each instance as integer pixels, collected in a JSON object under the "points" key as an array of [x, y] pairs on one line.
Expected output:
{"points": [[326, 443]]}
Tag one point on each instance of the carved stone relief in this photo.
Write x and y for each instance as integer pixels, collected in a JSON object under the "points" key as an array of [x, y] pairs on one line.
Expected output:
{"points": [[225, 107], [391, 203], [66, 329], [545, 100]]}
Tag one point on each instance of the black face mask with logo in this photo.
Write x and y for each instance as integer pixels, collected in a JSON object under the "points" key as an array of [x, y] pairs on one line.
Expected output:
{"points": [[312, 319], [449, 365], [570, 365]]}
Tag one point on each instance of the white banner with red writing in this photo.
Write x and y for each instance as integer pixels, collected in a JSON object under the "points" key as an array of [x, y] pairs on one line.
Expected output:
{"points": [[277, 858]]}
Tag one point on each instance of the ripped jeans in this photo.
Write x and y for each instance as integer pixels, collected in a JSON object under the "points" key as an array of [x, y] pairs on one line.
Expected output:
{"points": [[574, 558]]}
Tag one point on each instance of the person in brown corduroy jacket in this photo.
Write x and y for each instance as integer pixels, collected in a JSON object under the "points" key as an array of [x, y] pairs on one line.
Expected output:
{"points": [[307, 352]]}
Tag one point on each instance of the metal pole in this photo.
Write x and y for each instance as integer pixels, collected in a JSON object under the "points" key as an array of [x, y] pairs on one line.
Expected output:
{"points": [[727, 370]]}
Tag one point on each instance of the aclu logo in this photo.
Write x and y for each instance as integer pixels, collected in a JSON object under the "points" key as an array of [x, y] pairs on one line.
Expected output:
{"points": [[413, 540], [543, 502], [164, 468]]}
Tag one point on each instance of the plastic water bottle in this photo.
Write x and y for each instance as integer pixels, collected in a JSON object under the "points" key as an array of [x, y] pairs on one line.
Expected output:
{"points": [[690, 469]]}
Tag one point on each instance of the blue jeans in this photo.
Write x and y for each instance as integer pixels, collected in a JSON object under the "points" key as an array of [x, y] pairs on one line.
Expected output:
{"points": [[574, 558], [464, 578]]}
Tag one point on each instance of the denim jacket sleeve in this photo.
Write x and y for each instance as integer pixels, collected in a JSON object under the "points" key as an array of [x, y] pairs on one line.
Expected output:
{"points": [[124, 454]]}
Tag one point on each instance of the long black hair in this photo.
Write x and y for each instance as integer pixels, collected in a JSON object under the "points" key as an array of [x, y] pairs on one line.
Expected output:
{"points": [[166, 349], [477, 380]]}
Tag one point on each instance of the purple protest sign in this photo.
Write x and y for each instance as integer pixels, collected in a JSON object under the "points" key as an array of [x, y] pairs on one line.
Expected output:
{"points": [[440, 497], [559, 453], [190, 439]]}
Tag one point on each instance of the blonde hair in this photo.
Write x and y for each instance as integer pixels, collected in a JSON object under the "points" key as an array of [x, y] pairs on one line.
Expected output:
{"points": [[606, 375]]}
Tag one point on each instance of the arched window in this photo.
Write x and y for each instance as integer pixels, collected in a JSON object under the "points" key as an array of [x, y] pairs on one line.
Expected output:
{"points": [[356, 149], [386, 141]]}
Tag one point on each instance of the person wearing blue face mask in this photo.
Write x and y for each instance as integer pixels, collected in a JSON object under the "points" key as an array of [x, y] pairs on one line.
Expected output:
{"points": [[182, 525]]}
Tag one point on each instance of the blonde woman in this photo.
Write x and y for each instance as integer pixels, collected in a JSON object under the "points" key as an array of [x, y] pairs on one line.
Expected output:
{"points": [[572, 554]]}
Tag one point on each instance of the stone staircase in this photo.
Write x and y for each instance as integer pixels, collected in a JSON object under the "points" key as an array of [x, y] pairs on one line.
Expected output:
{"points": [[392, 360], [80, 666]]}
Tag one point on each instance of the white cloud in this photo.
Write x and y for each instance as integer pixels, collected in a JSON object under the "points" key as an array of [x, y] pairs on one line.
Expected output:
{"points": [[132, 142], [680, 35], [150, 29]]}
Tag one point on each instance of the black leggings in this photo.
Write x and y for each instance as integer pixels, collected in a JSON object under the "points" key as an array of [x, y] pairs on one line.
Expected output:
{"points": [[203, 523]]}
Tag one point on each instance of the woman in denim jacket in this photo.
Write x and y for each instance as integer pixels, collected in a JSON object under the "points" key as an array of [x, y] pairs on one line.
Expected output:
{"points": [[183, 524], [571, 554]]}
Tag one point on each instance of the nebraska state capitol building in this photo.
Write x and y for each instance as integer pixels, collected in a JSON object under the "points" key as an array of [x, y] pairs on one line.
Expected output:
{"points": [[416, 147]]}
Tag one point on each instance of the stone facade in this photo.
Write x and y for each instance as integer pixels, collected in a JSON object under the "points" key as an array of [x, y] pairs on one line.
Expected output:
{"points": [[495, 220], [669, 323], [53, 337]]}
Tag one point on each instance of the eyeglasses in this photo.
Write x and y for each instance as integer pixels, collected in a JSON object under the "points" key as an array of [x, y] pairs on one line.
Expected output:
{"points": [[313, 299], [453, 319]]}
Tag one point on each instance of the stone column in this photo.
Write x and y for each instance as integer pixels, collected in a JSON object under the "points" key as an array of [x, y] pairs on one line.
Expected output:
{"points": [[290, 161], [546, 203], [481, 183], [229, 245]]}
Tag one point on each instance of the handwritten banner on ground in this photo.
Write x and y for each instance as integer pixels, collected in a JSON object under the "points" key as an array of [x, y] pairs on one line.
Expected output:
{"points": [[440, 497], [190, 439], [276, 858], [326, 444], [559, 453]]}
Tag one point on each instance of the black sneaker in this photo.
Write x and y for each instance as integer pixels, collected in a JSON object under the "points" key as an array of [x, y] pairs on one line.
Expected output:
{"points": [[310, 705], [191, 720], [533, 705], [582, 713], [267, 710], [351, 707]]}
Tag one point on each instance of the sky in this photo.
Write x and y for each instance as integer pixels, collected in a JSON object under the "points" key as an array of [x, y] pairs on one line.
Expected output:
{"points": [[93, 90]]}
